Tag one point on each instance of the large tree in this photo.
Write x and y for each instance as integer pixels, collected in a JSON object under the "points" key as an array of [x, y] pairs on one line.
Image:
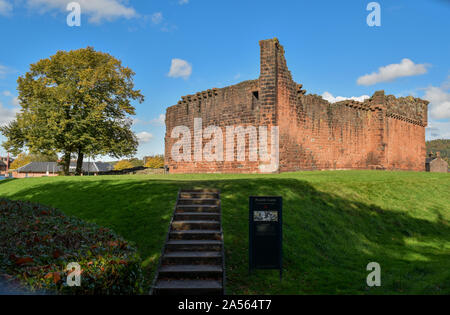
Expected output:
{"points": [[75, 103]]}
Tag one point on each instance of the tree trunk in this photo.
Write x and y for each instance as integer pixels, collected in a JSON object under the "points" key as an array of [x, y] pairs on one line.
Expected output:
{"points": [[80, 158], [66, 163]]}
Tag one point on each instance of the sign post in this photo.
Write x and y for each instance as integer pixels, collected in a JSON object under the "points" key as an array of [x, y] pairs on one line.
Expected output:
{"points": [[265, 233]]}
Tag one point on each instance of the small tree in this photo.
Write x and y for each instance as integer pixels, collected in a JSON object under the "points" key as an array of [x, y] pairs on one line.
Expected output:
{"points": [[156, 161], [123, 165]]}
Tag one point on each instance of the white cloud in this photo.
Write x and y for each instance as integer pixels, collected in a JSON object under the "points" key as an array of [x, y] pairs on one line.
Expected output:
{"points": [[144, 136], [405, 68], [157, 18], [7, 115], [180, 69], [437, 130], [3, 70], [5, 7], [330, 98], [439, 99], [15, 101], [97, 10], [137, 121], [181, 2], [161, 120]]}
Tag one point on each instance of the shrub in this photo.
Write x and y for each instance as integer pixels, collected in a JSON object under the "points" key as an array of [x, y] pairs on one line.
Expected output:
{"points": [[156, 161], [123, 165], [37, 243]]}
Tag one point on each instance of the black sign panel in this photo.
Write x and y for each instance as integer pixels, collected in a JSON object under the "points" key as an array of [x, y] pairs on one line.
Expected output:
{"points": [[265, 228]]}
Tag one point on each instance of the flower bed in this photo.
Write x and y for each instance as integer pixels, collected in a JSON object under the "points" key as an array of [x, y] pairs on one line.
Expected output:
{"points": [[37, 244]]}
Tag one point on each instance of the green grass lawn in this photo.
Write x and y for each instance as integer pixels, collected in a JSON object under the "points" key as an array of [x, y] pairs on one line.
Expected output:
{"points": [[335, 223]]}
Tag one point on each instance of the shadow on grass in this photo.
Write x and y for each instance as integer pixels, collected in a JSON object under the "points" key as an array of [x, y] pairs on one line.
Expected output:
{"points": [[328, 240]]}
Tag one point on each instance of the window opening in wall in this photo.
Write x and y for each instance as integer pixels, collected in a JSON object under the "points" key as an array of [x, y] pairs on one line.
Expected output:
{"points": [[255, 99]]}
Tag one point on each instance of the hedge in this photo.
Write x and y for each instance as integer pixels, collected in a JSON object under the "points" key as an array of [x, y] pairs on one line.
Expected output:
{"points": [[37, 243]]}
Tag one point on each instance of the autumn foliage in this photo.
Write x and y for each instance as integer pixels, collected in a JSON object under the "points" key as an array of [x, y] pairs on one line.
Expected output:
{"points": [[156, 161], [21, 160], [38, 243], [123, 165]]}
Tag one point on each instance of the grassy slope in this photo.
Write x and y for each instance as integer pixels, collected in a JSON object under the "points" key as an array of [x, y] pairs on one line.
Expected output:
{"points": [[335, 223]]}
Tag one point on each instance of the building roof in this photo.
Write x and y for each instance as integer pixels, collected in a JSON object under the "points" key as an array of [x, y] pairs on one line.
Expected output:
{"points": [[39, 167], [43, 167]]}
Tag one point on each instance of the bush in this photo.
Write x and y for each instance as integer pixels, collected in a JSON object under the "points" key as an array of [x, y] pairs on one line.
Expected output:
{"points": [[37, 243], [156, 161], [123, 165]]}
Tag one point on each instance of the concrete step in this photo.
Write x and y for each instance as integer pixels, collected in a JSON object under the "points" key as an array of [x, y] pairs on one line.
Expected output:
{"points": [[196, 235], [197, 208], [193, 245], [195, 225], [188, 287], [191, 272], [192, 257], [198, 201], [211, 216]]}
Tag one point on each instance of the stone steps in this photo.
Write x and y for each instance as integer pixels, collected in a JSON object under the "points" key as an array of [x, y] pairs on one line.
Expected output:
{"points": [[192, 261], [195, 225], [198, 201], [196, 235], [194, 245], [193, 257], [212, 216], [198, 208]]}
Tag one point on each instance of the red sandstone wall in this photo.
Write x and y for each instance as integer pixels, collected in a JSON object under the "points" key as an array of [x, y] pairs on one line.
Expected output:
{"points": [[384, 132], [406, 119], [234, 105], [315, 134], [328, 136], [405, 145]]}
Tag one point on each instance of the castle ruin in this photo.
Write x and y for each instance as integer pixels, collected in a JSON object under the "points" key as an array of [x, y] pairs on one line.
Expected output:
{"points": [[383, 132]]}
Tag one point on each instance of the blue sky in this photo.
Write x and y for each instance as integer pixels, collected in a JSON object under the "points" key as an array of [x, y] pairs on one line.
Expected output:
{"points": [[204, 44]]}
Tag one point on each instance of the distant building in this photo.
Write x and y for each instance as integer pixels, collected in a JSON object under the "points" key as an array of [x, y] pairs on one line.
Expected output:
{"points": [[436, 164], [40, 169], [2, 167], [3, 162]]}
